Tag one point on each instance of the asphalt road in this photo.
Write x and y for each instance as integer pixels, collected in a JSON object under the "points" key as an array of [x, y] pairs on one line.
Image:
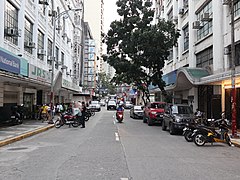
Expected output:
{"points": [[114, 151]]}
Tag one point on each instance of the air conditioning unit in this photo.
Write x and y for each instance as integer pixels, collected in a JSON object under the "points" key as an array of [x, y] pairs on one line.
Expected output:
{"points": [[68, 40], [50, 58], [227, 50], [205, 17], [225, 2], [52, 13], [29, 44], [44, 2], [58, 28], [196, 25], [13, 32], [181, 11], [41, 52], [64, 35]]}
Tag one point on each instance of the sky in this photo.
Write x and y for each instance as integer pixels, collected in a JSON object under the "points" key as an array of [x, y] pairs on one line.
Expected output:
{"points": [[110, 13]]}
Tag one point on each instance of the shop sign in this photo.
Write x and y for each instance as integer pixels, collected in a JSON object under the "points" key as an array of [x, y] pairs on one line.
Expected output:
{"points": [[24, 67], [69, 85], [9, 62], [39, 74]]}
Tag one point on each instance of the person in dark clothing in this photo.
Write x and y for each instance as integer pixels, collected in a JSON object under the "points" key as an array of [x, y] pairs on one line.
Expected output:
{"points": [[83, 114]]}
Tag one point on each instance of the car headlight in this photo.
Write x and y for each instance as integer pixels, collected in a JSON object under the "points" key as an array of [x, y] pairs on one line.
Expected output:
{"points": [[178, 120]]}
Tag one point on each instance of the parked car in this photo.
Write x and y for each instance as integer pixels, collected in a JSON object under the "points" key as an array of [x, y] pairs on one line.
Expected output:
{"points": [[111, 105], [176, 116], [128, 105], [136, 112], [95, 106], [153, 113]]}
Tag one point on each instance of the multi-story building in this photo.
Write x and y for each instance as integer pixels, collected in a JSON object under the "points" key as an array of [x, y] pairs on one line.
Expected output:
{"points": [[199, 69], [36, 59], [95, 17]]}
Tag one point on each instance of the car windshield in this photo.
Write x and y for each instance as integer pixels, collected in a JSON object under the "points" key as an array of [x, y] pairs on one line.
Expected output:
{"points": [[138, 108], [157, 105], [112, 102], [181, 110], [94, 102]]}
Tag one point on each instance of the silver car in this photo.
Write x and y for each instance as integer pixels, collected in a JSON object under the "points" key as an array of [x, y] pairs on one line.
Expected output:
{"points": [[136, 112]]}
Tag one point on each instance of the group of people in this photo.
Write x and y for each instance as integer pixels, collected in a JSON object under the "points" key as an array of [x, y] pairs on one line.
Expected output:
{"points": [[45, 111]]}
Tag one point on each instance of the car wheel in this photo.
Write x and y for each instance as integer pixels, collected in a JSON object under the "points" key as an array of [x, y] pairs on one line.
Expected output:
{"points": [[164, 128], [171, 129]]}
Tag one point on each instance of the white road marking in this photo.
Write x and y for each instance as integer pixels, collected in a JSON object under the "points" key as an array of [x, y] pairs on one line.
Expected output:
{"points": [[124, 178], [117, 136]]}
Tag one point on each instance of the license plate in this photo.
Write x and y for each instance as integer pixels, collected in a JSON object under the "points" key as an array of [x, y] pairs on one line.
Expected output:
{"points": [[12, 116], [161, 115]]}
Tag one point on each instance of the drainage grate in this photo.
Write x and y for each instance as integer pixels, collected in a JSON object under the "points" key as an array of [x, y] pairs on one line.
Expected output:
{"points": [[17, 149]]}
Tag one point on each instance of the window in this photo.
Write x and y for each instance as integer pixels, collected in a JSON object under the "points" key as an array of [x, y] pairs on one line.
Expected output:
{"points": [[186, 38], [62, 58], [170, 15], [49, 52], [237, 8], [57, 58], [205, 57], [170, 57], [28, 36], [40, 45], [206, 25], [11, 22]]}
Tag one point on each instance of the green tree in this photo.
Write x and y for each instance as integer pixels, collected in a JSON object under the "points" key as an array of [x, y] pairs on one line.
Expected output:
{"points": [[105, 83], [136, 47]]}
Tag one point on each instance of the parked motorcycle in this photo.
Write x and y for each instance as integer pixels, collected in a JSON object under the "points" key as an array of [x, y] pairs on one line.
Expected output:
{"points": [[119, 116], [69, 118], [190, 127], [205, 134], [16, 115]]}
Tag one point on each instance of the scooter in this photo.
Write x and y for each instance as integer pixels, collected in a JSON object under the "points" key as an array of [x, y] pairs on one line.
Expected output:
{"points": [[68, 119], [204, 135], [16, 116], [119, 116]]}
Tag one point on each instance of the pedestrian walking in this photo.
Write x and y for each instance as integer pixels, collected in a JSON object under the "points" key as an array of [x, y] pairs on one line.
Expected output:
{"points": [[83, 110]]}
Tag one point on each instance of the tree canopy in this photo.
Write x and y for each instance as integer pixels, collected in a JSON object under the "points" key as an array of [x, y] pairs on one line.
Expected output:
{"points": [[136, 47]]}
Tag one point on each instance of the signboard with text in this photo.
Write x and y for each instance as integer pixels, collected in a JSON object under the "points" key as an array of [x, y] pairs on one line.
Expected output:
{"points": [[39, 74], [9, 62]]}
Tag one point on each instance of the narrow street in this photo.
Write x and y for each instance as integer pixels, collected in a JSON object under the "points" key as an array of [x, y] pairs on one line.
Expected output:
{"points": [[113, 151]]}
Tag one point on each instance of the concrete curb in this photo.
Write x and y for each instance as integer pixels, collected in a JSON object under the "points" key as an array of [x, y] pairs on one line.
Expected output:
{"points": [[235, 143], [25, 135]]}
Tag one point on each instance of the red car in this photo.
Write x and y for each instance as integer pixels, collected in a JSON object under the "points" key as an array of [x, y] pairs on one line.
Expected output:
{"points": [[153, 113]]}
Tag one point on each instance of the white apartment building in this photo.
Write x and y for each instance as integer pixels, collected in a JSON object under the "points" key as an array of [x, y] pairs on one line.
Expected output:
{"points": [[93, 14], [198, 71], [31, 49]]}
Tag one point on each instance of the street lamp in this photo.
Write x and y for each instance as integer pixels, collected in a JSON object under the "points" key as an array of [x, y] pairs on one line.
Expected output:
{"points": [[55, 18]]}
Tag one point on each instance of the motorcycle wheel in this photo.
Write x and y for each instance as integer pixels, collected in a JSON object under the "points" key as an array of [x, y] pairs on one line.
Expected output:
{"points": [[199, 139], [92, 113], [75, 123], [57, 124], [228, 140], [86, 118], [188, 136]]}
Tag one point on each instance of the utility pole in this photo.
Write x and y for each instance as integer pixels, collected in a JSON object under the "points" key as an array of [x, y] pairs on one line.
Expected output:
{"points": [[233, 92]]}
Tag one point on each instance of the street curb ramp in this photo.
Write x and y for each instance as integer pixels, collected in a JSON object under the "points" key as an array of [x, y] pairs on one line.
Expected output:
{"points": [[25, 135]]}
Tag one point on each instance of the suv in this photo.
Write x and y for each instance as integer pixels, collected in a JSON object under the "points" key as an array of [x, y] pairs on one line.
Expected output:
{"points": [[111, 105], [153, 113], [176, 116]]}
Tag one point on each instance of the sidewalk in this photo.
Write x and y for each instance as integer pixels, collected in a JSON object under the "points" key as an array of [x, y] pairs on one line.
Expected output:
{"points": [[10, 134]]}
